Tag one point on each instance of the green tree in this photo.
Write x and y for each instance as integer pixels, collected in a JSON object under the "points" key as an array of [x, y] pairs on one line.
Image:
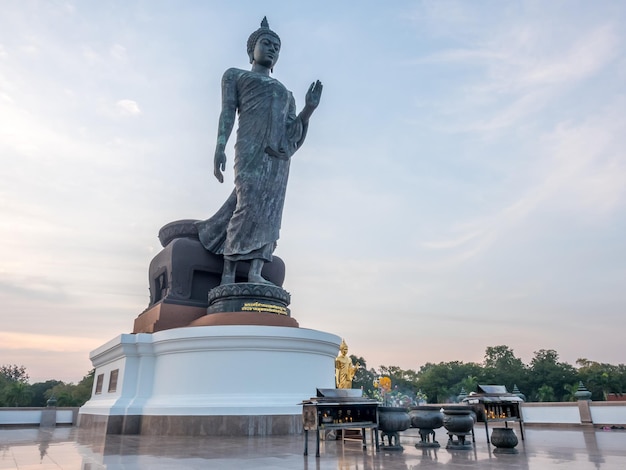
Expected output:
{"points": [[70, 394], [14, 373], [544, 379], [503, 368], [85, 386], [469, 383], [39, 389], [364, 378], [14, 388], [545, 393], [443, 382], [570, 394], [402, 380], [546, 370], [601, 379], [17, 394]]}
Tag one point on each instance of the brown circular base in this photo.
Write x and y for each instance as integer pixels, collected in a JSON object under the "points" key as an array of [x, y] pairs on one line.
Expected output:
{"points": [[245, 318]]}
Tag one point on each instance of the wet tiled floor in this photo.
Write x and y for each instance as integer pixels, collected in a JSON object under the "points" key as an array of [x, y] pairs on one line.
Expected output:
{"points": [[72, 449]]}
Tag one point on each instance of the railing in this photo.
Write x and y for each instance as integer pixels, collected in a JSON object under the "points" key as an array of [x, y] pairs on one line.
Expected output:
{"points": [[572, 413], [38, 416], [599, 413]]}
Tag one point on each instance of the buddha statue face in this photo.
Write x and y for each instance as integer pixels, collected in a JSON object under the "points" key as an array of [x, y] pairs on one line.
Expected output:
{"points": [[266, 50]]}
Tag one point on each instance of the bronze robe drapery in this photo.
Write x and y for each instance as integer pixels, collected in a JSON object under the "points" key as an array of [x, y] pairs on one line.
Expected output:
{"points": [[247, 226]]}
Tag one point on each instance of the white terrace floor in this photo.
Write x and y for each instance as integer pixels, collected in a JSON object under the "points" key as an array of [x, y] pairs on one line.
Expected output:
{"points": [[69, 448]]}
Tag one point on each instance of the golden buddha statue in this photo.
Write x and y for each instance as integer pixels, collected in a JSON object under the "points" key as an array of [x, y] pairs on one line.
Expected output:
{"points": [[344, 369]]}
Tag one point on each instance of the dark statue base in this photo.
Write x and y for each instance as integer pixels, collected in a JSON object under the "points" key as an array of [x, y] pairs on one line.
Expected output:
{"points": [[245, 318], [249, 297], [184, 272], [248, 303], [166, 315]]}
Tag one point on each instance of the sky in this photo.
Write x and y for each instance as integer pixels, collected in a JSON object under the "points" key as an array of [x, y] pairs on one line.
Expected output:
{"points": [[462, 185]]}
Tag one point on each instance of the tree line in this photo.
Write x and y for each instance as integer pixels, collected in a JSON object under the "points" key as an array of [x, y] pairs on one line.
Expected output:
{"points": [[15, 389], [544, 379]]}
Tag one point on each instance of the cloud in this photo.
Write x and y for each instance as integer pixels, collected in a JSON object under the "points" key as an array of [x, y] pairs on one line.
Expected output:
{"points": [[519, 58], [29, 49], [90, 55], [581, 172], [118, 52], [44, 342], [69, 8], [460, 56], [513, 113], [453, 243], [32, 288], [590, 53], [128, 108], [518, 72], [588, 172]]}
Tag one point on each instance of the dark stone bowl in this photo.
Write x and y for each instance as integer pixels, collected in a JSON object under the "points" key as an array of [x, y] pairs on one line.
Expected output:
{"points": [[505, 440], [458, 420], [393, 419], [426, 417]]}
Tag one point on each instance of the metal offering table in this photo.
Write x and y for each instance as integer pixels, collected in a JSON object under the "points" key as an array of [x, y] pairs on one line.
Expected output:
{"points": [[497, 405], [339, 409]]}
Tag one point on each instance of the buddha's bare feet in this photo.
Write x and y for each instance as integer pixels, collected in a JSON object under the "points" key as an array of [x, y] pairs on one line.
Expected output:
{"points": [[228, 274], [227, 279], [254, 275]]}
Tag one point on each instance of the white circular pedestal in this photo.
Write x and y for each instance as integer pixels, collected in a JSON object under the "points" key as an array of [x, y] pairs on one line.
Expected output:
{"points": [[227, 380]]}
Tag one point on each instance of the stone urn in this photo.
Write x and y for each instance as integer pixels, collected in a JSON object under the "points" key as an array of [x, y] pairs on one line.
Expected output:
{"points": [[459, 422], [426, 419], [505, 440], [582, 393], [392, 420]]}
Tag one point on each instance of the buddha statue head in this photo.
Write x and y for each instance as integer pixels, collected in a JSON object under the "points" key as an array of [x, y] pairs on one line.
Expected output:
{"points": [[268, 53]]}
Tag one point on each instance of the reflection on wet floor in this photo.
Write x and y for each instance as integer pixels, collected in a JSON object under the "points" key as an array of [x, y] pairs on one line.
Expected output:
{"points": [[74, 449]]}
